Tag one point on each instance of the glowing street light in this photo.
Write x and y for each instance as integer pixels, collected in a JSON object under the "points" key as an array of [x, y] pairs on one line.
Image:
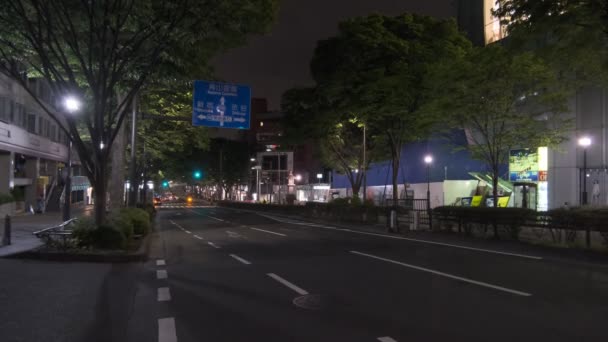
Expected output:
{"points": [[428, 160], [584, 142], [71, 104]]}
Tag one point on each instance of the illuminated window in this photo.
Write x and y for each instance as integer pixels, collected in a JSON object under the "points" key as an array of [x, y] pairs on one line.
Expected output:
{"points": [[493, 29]]}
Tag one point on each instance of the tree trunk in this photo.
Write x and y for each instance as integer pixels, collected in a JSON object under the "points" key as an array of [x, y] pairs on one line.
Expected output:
{"points": [[495, 194], [99, 186], [395, 176]]}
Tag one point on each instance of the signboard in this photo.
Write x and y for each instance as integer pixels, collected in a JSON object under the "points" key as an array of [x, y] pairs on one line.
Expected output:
{"points": [[503, 201], [525, 159], [524, 176], [223, 105]]}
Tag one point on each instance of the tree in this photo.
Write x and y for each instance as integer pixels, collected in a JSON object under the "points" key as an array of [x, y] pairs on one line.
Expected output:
{"points": [[338, 137], [105, 51], [375, 67], [571, 36], [503, 100]]}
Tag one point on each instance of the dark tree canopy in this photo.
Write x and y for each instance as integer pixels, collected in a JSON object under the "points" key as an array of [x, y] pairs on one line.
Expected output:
{"points": [[105, 51]]}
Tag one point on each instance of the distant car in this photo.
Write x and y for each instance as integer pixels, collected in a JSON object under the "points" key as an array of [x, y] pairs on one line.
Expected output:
{"points": [[157, 200]]}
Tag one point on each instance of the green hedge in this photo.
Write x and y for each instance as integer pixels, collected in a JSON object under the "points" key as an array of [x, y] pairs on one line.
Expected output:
{"points": [[106, 236], [468, 218], [339, 209], [6, 198], [578, 218], [139, 218]]}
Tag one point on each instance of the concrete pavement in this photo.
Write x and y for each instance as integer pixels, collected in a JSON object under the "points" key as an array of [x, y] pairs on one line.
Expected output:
{"points": [[23, 227]]}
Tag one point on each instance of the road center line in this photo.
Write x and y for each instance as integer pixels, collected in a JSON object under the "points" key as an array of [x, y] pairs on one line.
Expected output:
{"points": [[166, 330], [163, 294], [297, 289], [386, 339], [160, 262], [240, 259], [410, 239], [213, 245], [161, 274], [267, 231], [447, 275]]}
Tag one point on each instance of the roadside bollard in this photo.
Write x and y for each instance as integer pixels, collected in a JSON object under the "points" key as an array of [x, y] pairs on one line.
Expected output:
{"points": [[6, 238]]}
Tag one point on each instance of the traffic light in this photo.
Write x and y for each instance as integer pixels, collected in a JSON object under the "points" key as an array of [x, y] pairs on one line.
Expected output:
{"points": [[197, 175], [165, 184]]}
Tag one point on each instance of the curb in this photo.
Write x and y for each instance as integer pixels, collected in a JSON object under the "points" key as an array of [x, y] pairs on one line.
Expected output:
{"points": [[141, 255]]}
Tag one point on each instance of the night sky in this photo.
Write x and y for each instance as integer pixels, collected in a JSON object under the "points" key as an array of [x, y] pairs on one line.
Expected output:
{"points": [[279, 60]]}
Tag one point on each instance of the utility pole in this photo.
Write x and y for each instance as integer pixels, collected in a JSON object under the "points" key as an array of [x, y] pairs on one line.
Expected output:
{"points": [[221, 185]]}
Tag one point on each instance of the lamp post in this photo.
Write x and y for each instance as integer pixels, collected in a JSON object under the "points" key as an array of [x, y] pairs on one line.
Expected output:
{"points": [[319, 177], [584, 142], [72, 105], [428, 160]]}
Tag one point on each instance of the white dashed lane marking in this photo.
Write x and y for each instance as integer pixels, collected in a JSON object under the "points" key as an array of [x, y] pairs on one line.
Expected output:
{"points": [[161, 274], [292, 286], [166, 330], [163, 294], [160, 262], [240, 259]]}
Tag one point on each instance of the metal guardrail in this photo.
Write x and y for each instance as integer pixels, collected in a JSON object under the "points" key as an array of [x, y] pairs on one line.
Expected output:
{"points": [[56, 233]]}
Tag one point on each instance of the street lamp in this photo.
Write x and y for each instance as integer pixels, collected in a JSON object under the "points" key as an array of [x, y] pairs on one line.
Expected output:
{"points": [[428, 160], [71, 105], [584, 142], [298, 178], [319, 177]]}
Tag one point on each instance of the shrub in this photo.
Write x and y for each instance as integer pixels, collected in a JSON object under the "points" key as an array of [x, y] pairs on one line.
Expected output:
{"points": [[122, 222], [82, 232], [149, 208], [139, 218], [510, 219], [107, 237], [6, 198]]}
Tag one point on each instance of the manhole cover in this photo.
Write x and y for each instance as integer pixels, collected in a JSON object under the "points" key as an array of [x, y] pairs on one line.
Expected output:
{"points": [[310, 302]]}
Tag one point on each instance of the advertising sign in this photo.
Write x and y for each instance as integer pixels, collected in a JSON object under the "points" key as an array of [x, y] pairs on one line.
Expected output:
{"points": [[523, 176], [524, 159], [223, 105]]}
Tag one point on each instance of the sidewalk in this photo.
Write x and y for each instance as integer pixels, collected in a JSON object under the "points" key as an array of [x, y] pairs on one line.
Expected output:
{"points": [[23, 226]]}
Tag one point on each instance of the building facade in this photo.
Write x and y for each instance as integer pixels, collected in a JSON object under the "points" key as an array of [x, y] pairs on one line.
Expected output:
{"points": [[33, 149]]}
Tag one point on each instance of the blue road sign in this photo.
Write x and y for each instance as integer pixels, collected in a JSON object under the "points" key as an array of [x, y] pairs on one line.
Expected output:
{"points": [[221, 105]]}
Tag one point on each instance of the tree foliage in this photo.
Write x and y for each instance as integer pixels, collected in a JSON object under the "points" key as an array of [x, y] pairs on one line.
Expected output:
{"points": [[571, 36], [503, 101], [374, 69], [105, 51]]}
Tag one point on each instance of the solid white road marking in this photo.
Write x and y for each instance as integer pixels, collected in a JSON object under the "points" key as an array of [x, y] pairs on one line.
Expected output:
{"points": [[161, 274], [409, 239], [198, 237], [213, 245], [166, 330], [298, 290], [240, 259], [163, 294], [386, 339], [160, 262], [267, 231], [215, 218], [447, 275]]}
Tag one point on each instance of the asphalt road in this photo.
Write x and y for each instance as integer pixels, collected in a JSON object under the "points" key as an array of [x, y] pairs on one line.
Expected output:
{"points": [[217, 274], [224, 275]]}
